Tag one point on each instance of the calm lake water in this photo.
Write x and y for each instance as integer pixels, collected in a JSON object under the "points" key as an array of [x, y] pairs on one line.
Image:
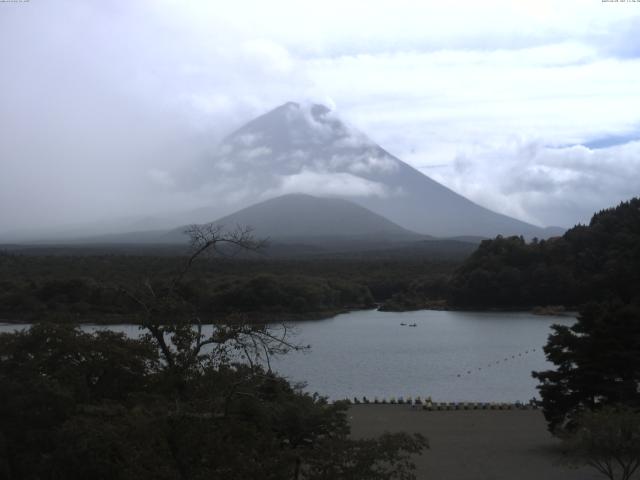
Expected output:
{"points": [[450, 356]]}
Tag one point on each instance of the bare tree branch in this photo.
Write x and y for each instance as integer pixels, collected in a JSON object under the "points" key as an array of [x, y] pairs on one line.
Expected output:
{"points": [[182, 341]]}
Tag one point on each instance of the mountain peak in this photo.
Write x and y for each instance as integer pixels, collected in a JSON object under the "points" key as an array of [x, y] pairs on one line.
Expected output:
{"points": [[319, 110], [292, 133], [288, 110], [307, 148], [281, 109], [315, 108]]}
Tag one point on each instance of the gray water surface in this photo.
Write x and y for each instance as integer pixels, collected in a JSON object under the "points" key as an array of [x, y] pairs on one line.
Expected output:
{"points": [[450, 356]]}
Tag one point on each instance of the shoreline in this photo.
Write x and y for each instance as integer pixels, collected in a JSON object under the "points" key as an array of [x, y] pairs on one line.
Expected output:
{"points": [[252, 317], [271, 317], [549, 311]]}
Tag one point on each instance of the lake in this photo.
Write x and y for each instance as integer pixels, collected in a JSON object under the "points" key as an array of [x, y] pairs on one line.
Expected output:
{"points": [[450, 356]]}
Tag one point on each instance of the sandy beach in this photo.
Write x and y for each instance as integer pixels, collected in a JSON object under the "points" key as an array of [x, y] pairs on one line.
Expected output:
{"points": [[474, 444]]}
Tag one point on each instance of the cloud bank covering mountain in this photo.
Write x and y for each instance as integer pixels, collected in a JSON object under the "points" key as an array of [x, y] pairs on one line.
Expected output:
{"points": [[308, 149], [520, 115]]}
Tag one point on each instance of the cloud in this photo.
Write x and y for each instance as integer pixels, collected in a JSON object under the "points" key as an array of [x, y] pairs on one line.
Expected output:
{"points": [[104, 105], [487, 123], [253, 153], [547, 185], [327, 184], [161, 177], [247, 139], [358, 162]]}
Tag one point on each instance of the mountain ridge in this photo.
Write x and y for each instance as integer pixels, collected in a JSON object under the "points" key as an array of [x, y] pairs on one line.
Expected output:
{"points": [[299, 216], [309, 149]]}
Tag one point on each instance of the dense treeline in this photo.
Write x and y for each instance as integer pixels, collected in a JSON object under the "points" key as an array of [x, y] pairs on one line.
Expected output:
{"points": [[90, 287], [101, 406], [596, 262]]}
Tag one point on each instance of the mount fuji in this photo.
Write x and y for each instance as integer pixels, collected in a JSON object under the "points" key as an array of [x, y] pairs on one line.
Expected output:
{"points": [[308, 149], [305, 154]]}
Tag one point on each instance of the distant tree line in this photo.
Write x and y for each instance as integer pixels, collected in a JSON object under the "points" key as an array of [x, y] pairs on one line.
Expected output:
{"points": [[87, 288]]}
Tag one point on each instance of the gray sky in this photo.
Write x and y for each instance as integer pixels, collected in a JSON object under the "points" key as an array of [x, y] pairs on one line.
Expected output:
{"points": [[531, 108]]}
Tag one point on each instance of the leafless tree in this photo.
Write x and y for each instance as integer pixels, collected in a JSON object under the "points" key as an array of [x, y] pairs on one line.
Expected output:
{"points": [[180, 336]]}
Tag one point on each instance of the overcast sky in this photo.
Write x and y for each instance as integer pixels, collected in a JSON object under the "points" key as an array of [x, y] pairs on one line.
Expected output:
{"points": [[531, 108]]}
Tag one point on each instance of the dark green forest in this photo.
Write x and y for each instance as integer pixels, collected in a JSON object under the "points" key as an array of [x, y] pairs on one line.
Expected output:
{"points": [[101, 406], [90, 287], [595, 262], [596, 269]]}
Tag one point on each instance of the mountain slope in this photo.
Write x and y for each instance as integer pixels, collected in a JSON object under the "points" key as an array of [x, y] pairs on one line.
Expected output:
{"points": [[299, 217], [294, 222], [589, 263], [298, 149]]}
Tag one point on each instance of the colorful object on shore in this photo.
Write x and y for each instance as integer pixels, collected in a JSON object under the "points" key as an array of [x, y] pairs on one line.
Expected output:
{"points": [[429, 405]]}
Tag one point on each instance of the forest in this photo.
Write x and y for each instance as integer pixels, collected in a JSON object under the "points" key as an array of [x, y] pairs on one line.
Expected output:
{"points": [[72, 288], [595, 262]]}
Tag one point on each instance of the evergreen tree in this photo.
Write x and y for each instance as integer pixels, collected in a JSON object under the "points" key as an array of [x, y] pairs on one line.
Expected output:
{"points": [[597, 363]]}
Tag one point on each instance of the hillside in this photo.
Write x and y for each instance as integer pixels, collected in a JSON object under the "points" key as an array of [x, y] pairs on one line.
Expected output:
{"points": [[599, 261], [294, 225], [299, 216]]}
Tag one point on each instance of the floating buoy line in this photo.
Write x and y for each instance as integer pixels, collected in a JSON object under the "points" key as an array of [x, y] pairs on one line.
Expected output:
{"points": [[494, 363]]}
